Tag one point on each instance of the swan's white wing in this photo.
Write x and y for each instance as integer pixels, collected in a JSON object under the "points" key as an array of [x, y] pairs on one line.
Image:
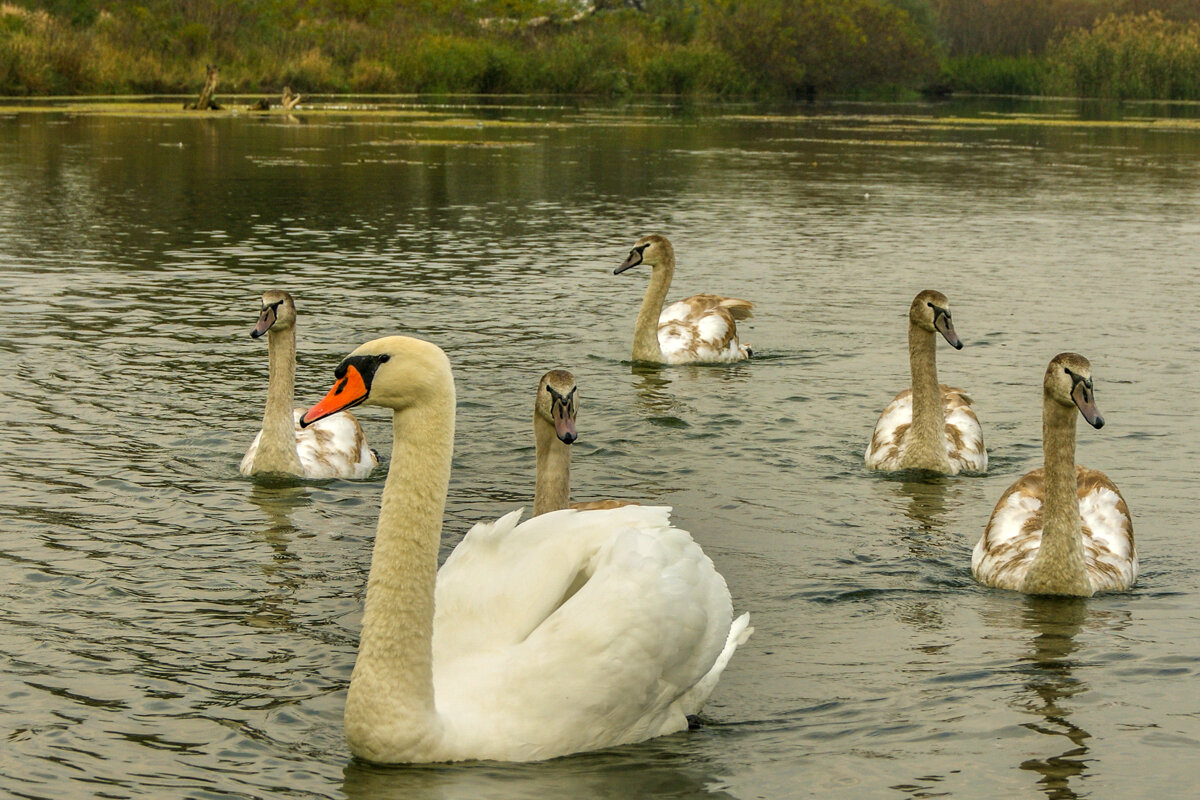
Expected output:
{"points": [[1014, 533], [702, 329], [504, 579], [334, 447], [886, 447], [635, 626]]}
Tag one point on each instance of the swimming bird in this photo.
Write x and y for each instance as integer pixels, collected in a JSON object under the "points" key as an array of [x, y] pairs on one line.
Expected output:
{"points": [[698, 329], [931, 426], [1062, 529], [337, 448], [572, 631], [554, 418]]}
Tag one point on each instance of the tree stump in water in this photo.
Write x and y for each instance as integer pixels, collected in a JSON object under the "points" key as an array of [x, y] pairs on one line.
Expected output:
{"points": [[206, 102], [290, 99]]}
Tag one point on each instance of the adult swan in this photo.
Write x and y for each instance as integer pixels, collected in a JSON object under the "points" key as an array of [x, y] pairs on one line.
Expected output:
{"points": [[569, 632]]}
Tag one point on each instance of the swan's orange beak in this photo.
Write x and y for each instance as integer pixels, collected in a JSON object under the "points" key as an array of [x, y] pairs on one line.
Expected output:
{"points": [[350, 390]]}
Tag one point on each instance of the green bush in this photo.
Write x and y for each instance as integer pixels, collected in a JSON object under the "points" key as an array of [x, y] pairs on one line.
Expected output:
{"points": [[821, 45]]}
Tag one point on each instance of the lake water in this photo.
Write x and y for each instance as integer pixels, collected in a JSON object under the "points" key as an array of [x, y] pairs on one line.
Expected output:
{"points": [[171, 629]]}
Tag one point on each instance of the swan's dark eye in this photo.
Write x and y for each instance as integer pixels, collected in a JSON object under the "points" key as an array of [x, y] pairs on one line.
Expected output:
{"points": [[383, 358]]}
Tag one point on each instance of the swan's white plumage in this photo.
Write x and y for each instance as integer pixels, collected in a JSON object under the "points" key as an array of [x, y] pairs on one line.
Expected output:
{"points": [[1013, 535], [963, 434], [334, 447], [703, 328], [572, 631], [576, 630]]}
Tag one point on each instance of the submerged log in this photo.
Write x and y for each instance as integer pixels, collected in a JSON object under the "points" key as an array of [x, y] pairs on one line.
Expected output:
{"points": [[206, 102]]}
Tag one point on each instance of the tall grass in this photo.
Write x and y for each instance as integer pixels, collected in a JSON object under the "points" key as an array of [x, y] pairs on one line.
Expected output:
{"points": [[1131, 56]]}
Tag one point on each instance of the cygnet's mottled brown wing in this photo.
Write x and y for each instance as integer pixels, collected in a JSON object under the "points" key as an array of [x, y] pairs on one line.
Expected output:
{"points": [[1013, 535], [703, 328], [334, 447], [963, 434]]}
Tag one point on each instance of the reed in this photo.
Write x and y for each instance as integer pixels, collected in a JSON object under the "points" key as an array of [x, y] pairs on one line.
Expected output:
{"points": [[1142, 56]]}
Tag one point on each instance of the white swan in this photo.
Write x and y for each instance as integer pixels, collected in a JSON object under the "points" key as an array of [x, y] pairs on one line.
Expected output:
{"points": [[337, 448], [569, 632], [931, 426], [1062, 529], [698, 329], [554, 417]]}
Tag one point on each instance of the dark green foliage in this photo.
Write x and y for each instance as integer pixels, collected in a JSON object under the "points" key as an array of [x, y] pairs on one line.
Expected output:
{"points": [[815, 45], [1025, 75], [792, 48]]}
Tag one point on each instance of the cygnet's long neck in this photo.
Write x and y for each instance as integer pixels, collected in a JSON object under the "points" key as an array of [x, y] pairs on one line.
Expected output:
{"points": [[552, 489], [1059, 566], [645, 332], [390, 713], [925, 446], [277, 447]]}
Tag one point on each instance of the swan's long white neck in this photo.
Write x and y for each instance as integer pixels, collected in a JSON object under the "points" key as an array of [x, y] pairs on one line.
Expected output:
{"points": [[277, 447], [925, 445], [390, 711], [552, 487], [645, 331], [1059, 566]]}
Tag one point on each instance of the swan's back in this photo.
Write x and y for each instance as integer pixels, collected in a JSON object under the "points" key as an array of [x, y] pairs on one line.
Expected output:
{"points": [[577, 630], [1010, 541], [703, 328], [963, 435], [333, 447]]}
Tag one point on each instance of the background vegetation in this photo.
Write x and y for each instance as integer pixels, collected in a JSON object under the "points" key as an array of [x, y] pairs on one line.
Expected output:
{"points": [[1111, 48]]}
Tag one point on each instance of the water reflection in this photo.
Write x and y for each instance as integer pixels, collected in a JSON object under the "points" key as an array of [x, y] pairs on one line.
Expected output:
{"points": [[1051, 683], [926, 502], [595, 776], [278, 500], [651, 383]]}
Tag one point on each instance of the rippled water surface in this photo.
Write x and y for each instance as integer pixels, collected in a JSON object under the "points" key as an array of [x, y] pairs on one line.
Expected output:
{"points": [[170, 629]]}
